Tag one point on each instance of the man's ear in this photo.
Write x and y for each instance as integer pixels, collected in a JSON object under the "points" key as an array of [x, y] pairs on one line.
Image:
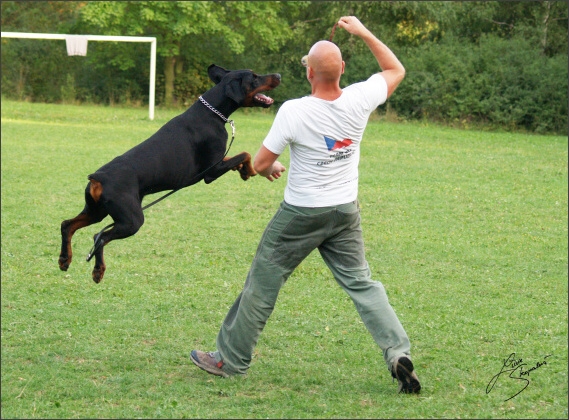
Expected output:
{"points": [[309, 73], [216, 73]]}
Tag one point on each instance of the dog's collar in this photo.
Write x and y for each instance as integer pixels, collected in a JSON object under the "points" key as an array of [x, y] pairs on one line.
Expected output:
{"points": [[231, 123], [203, 101]]}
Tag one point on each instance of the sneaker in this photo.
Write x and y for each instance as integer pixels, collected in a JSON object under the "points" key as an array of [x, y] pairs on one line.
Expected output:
{"points": [[402, 370], [206, 361]]}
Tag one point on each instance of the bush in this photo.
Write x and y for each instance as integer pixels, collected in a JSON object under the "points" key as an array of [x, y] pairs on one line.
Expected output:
{"points": [[68, 91], [41, 71], [507, 83], [33, 69]]}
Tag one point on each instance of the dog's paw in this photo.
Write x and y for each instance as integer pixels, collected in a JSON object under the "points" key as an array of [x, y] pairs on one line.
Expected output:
{"points": [[246, 172], [98, 273], [245, 175], [64, 263]]}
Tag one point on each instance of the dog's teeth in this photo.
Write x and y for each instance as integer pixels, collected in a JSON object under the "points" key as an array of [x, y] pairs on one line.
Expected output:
{"points": [[263, 98]]}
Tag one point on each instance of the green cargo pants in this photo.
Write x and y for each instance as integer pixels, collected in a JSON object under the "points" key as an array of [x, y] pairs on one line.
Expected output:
{"points": [[288, 239]]}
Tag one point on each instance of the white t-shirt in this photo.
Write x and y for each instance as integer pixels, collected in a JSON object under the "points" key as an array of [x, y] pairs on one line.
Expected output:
{"points": [[324, 138]]}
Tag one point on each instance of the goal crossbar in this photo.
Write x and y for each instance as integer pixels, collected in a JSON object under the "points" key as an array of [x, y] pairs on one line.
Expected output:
{"points": [[151, 40]]}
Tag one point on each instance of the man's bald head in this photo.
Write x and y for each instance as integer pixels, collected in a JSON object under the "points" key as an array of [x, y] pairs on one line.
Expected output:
{"points": [[325, 59]]}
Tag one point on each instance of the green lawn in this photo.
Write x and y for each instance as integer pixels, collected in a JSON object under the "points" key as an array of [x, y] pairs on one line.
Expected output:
{"points": [[467, 230]]}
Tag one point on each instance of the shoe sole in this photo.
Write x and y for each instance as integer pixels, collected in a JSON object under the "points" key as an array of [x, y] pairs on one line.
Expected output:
{"points": [[207, 368], [410, 385]]}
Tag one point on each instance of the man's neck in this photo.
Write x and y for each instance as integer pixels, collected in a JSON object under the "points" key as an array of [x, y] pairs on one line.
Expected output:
{"points": [[326, 92]]}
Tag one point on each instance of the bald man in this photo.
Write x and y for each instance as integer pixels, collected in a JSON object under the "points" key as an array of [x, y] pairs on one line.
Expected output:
{"points": [[320, 209]]}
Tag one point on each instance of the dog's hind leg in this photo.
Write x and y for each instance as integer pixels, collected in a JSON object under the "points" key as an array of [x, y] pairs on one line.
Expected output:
{"points": [[92, 213], [128, 216], [240, 162]]}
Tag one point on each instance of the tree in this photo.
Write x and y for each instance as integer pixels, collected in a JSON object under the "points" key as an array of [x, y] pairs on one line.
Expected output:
{"points": [[488, 61], [544, 22], [45, 16], [199, 26], [26, 73]]}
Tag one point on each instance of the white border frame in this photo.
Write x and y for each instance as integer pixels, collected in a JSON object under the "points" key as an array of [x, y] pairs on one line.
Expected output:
{"points": [[152, 40]]}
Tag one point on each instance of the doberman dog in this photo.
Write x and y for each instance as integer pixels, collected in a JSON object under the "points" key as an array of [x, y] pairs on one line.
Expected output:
{"points": [[189, 148]]}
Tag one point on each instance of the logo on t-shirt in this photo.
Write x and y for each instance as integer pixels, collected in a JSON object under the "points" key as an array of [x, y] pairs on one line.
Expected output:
{"points": [[333, 144]]}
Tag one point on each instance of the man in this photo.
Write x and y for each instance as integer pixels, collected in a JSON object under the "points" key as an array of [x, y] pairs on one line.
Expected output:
{"points": [[320, 209]]}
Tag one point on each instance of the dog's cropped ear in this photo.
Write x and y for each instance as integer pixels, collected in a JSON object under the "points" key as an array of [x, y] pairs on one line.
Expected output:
{"points": [[233, 91], [216, 73]]}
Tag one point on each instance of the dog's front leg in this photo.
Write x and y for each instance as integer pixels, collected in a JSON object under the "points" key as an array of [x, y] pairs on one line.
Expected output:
{"points": [[240, 162], [245, 167]]}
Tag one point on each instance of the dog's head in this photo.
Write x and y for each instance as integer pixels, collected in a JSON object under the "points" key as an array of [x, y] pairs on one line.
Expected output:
{"points": [[245, 87]]}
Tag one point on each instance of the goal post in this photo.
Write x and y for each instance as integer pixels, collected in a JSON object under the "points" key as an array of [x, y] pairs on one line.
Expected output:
{"points": [[152, 40]]}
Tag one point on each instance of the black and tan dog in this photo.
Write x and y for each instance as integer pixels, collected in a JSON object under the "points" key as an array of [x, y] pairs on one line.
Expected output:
{"points": [[187, 149]]}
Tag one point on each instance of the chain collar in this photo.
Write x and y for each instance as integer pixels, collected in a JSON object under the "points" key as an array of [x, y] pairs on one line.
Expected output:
{"points": [[231, 123], [203, 101]]}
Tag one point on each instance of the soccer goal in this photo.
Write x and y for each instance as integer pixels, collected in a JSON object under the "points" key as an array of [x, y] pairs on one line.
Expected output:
{"points": [[77, 45]]}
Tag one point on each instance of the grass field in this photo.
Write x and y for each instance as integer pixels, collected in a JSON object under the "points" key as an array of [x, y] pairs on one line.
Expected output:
{"points": [[467, 230]]}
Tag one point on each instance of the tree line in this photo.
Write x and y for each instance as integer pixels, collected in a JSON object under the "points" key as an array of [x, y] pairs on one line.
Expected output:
{"points": [[503, 64]]}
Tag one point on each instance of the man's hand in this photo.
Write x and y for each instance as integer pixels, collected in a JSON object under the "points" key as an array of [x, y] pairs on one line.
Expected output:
{"points": [[393, 71], [276, 171], [353, 25], [267, 165]]}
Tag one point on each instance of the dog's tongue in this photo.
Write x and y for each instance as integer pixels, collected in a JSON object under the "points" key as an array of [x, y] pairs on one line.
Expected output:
{"points": [[263, 98]]}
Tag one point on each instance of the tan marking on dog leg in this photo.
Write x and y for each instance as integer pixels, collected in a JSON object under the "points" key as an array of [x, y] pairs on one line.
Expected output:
{"points": [[95, 189]]}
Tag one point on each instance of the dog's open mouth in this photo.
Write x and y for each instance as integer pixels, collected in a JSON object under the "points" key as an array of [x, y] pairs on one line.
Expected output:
{"points": [[266, 83], [263, 100]]}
